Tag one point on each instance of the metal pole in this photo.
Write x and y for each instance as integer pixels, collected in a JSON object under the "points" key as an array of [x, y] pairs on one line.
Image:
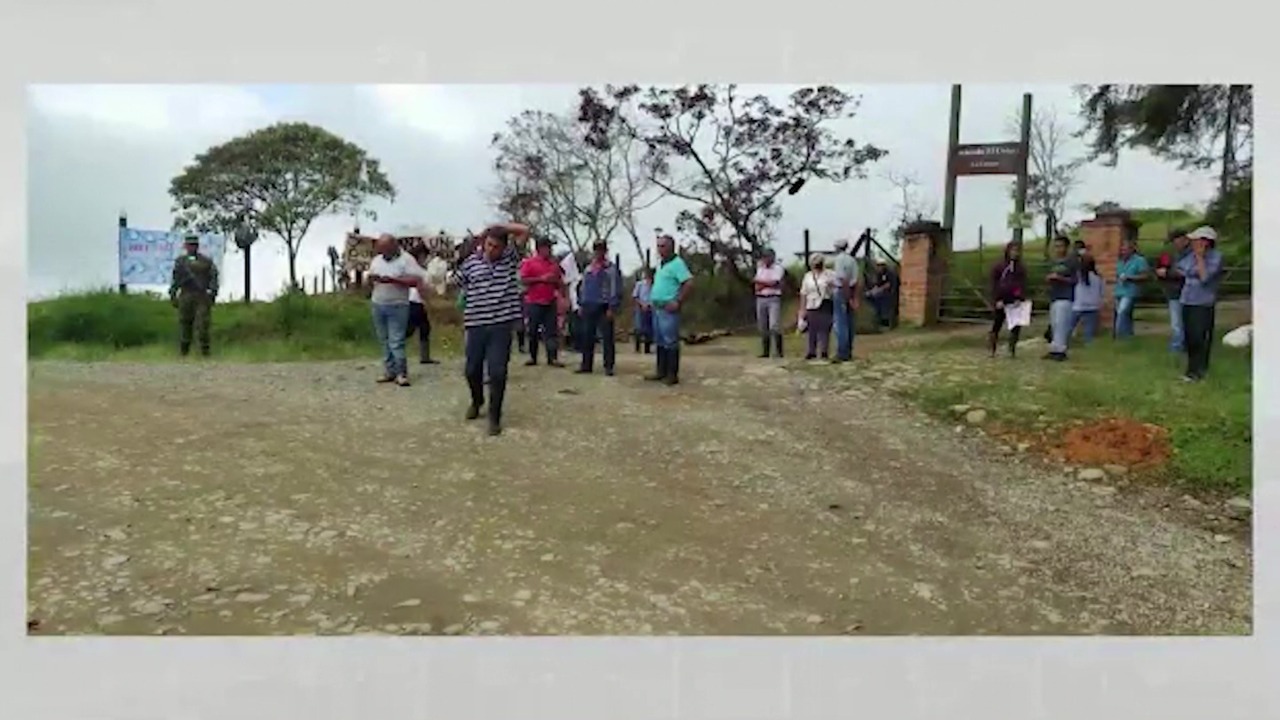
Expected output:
{"points": [[1024, 152], [806, 248], [123, 223], [953, 140], [981, 261]]}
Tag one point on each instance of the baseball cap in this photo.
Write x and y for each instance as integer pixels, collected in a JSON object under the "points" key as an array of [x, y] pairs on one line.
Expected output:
{"points": [[1204, 232], [842, 244]]}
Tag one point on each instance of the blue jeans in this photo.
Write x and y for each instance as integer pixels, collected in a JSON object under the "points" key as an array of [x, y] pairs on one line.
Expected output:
{"points": [[666, 329], [1060, 325], [1087, 318], [843, 326], [1177, 341], [1124, 317], [391, 322]]}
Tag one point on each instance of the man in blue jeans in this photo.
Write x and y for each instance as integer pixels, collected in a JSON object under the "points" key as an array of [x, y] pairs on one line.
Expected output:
{"points": [[1131, 269], [1171, 284], [672, 283], [392, 272], [845, 302]]}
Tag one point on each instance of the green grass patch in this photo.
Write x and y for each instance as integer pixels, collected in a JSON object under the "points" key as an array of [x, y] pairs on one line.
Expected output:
{"points": [[1210, 423], [104, 325]]}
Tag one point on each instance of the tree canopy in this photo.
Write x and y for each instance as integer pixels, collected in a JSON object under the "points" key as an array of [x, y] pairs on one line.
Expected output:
{"points": [[277, 179], [732, 156]]}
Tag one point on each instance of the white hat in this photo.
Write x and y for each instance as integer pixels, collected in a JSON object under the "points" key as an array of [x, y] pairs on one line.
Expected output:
{"points": [[1204, 232], [842, 244]]}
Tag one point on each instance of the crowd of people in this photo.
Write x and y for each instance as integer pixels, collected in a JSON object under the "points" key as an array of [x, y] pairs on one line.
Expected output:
{"points": [[1188, 273], [537, 301]]}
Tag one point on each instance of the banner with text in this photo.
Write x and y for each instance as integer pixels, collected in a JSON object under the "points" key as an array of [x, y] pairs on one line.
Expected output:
{"points": [[146, 256]]}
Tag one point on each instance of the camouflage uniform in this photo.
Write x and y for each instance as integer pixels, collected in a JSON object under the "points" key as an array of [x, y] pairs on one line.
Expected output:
{"points": [[192, 291]]}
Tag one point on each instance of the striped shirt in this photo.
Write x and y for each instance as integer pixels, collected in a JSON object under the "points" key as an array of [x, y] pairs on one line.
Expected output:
{"points": [[492, 289]]}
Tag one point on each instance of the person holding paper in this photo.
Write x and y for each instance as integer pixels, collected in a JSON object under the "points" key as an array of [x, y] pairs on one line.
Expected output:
{"points": [[1201, 271], [1008, 291]]}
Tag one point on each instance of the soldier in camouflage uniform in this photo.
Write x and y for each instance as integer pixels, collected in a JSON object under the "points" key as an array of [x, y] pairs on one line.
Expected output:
{"points": [[192, 292]]}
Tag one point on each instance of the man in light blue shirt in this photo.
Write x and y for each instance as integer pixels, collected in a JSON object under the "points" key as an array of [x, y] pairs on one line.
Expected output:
{"points": [[672, 283], [846, 300], [1131, 269], [1200, 270]]}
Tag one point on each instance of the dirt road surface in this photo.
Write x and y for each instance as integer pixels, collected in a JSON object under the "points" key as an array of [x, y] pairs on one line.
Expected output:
{"points": [[754, 498]]}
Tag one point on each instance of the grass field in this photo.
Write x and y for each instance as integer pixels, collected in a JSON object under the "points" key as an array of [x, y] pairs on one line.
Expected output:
{"points": [[1209, 423]]}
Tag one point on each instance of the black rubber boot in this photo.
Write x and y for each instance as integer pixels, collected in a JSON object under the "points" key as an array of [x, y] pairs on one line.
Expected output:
{"points": [[673, 367], [184, 349], [648, 347], [476, 385], [1013, 342], [637, 342], [764, 345], [661, 372], [992, 340], [777, 343]]}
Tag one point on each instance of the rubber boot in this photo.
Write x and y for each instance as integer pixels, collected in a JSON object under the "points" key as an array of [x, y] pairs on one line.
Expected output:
{"points": [[184, 349], [476, 385], [637, 342], [673, 366], [661, 372], [1013, 342], [648, 347], [992, 340], [777, 343], [764, 345]]}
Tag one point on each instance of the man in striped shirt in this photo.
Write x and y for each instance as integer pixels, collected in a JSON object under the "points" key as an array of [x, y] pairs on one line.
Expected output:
{"points": [[490, 280]]}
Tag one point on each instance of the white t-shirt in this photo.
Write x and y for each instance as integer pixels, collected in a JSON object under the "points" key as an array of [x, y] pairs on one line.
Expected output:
{"points": [[816, 288], [773, 273], [398, 266]]}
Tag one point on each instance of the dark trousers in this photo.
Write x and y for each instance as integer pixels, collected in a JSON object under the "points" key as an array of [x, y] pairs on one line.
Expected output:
{"points": [[523, 330], [993, 338], [421, 324], [542, 326], [1197, 324], [595, 321], [488, 351]]}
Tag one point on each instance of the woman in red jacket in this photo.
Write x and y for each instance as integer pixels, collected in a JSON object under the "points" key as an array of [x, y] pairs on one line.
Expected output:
{"points": [[1008, 286]]}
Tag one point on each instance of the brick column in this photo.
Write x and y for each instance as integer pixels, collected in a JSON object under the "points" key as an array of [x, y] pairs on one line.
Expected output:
{"points": [[924, 267], [1102, 235]]}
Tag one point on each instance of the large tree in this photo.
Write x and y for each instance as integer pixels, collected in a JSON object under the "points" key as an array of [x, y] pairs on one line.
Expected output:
{"points": [[732, 156], [550, 178], [1199, 126], [912, 205], [277, 179]]}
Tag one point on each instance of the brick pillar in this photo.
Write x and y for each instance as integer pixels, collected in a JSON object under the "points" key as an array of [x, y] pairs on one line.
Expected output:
{"points": [[924, 268], [1102, 235]]}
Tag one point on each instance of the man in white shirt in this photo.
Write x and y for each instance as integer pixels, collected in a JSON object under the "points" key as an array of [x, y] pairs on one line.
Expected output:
{"points": [[392, 272], [768, 290], [846, 301]]}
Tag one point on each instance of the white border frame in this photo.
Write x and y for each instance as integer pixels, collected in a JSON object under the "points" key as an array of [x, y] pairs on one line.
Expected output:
{"points": [[61, 40]]}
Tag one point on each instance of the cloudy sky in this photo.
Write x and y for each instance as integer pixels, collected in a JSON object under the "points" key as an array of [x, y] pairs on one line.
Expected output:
{"points": [[98, 149]]}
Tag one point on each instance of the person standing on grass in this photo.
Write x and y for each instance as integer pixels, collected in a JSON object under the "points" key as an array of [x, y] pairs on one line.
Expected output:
{"points": [[193, 290], [1063, 270], [882, 292], [419, 321], [672, 283], [1131, 269], [1087, 300], [599, 302], [490, 280], [642, 312], [1171, 284], [768, 288], [1200, 270], [845, 300], [1008, 286], [392, 272], [817, 303], [543, 281]]}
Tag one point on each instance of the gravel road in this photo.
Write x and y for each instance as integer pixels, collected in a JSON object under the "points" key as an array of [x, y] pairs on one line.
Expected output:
{"points": [[224, 499]]}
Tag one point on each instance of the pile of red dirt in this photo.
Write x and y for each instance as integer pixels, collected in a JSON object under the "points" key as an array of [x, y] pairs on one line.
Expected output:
{"points": [[1115, 441]]}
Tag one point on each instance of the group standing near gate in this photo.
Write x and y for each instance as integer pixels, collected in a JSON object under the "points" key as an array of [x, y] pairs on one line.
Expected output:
{"points": [[1188, 272]]}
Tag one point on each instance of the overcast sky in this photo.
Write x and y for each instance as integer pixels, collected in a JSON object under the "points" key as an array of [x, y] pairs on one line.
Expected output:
{"points": [[98, 149]]}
